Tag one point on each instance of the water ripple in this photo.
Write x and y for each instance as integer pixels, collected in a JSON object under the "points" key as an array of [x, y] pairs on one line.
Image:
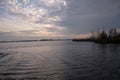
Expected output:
{"points": [[59, 61]]}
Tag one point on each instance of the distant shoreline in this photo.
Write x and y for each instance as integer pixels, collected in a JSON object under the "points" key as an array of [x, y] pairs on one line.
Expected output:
{"points": [[107, 41], [73, 40], [35, 40]]}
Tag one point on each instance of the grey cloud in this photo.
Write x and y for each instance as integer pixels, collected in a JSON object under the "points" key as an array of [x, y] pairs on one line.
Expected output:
{"points": [[5, 36], [84, 15], [8, 36]]}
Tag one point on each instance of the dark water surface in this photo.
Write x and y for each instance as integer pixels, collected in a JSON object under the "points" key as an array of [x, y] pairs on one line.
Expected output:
{"points": [[59, 60]]}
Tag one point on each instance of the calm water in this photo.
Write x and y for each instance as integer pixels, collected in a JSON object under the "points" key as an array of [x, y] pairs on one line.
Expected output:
{"points": [[59, 60]]}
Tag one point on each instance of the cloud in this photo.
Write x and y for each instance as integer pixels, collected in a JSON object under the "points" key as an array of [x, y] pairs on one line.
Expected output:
{"points": [[65, 18], [46, 31], [84, 15], [56, 3], [41, 12]]}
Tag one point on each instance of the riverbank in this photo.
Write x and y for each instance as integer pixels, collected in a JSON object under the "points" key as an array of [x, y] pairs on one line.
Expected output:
{"points": [[103, 37], [109, 40]]}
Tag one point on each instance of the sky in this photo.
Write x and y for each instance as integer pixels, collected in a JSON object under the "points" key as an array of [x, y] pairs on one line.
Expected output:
{"points": [[38, 19]]}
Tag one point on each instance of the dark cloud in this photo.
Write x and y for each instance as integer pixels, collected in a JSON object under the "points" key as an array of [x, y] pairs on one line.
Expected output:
{"points": [[84, 15]]}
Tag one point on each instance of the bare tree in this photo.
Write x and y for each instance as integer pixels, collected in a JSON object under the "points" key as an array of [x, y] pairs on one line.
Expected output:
{"points": [[112, 32]]}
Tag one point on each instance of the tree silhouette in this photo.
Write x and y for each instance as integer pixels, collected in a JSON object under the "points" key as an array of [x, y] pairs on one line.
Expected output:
{"points": [[112, 32]]}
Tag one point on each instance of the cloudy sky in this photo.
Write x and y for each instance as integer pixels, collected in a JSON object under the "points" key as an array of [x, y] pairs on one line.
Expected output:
{"points": [[56, 18]]}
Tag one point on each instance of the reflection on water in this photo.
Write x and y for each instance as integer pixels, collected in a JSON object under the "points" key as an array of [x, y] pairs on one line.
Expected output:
{"points": [[59, 61]]}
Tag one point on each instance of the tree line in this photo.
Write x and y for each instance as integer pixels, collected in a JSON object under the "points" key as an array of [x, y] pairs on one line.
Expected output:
{"points": [[110, 36]]}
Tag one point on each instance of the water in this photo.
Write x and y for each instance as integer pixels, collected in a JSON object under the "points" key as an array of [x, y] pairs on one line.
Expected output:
{"points": [[59, 60]]}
